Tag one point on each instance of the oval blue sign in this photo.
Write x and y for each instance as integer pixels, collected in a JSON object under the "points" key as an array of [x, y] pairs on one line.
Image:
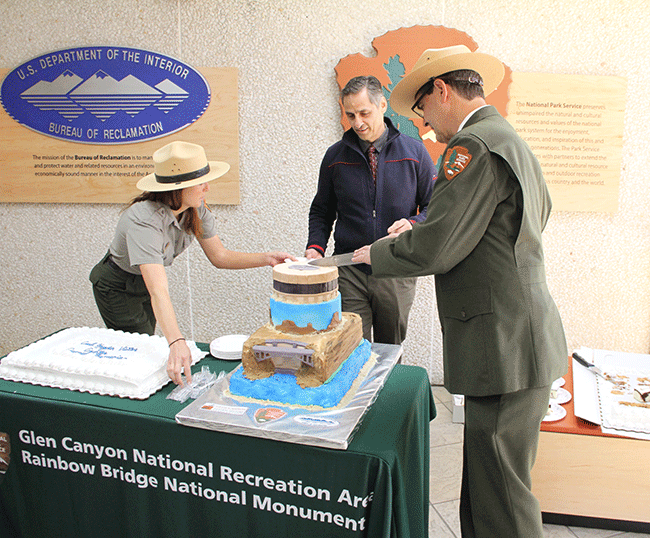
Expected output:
{"points": [[105, 95]]}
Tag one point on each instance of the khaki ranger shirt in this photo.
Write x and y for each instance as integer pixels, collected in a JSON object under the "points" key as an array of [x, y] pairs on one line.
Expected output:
{"points": [[482, 239], [148, 232]]}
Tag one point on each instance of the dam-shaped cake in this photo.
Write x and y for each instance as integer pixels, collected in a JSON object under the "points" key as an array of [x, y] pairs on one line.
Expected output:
{"points": [[309, 348]]}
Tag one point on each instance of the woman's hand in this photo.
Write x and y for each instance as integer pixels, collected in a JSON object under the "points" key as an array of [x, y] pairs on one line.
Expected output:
{"points": [[180, 356], [180, 359], [274, 258], [223, 258]]}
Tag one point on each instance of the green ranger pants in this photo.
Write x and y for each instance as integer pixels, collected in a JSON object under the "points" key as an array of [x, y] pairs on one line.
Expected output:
{"points": [[122, 299], [500, 445]]}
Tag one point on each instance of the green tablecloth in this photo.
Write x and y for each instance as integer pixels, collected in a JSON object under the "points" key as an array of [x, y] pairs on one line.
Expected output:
{"points": [[85, 465]]}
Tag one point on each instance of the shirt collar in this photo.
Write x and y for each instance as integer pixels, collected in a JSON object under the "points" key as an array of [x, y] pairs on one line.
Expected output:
{"points": [[379, 143], [170, 218], [469, 116]]}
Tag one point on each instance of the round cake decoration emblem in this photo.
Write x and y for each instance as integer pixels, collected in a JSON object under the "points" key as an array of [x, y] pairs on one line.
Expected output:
{"points": [[269, 414], [105, 95]]}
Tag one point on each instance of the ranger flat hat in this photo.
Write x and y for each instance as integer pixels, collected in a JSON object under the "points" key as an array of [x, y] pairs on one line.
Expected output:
{"points": [[179, 165], [436, 62]]}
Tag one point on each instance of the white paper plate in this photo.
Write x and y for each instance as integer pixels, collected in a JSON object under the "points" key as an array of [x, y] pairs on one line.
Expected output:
{"points": [[563, 396], [558, 383], [556, 412], [228, 347]]}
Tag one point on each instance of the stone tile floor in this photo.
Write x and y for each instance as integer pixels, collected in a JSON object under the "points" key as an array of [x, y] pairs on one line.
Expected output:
{"points": [[445, 474]]}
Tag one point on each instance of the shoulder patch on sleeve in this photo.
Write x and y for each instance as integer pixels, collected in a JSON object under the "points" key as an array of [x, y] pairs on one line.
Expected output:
{"points": [[455, 161]]}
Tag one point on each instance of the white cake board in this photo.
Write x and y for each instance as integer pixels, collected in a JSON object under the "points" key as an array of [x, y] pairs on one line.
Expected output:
{"points": [[589, 390], [334, 428]]}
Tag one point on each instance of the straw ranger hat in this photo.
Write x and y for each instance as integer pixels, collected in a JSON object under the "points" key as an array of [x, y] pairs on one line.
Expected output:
{"points": [[179, 165], [436, 62]]}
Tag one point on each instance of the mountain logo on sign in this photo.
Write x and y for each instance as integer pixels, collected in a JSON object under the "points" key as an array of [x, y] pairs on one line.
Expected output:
{"points": [[102, 96]]}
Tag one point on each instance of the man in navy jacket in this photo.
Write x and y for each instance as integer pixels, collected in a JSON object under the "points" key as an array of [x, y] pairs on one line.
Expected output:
{"points": [[369, 197]]}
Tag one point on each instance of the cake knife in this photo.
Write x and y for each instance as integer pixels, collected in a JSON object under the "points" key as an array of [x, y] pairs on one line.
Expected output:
{"points": [[338, 260], [597, 371]]}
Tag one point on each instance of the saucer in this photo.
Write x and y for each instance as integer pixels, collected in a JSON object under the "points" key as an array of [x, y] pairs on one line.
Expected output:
{"points": [[556, 412], [228, 347]]}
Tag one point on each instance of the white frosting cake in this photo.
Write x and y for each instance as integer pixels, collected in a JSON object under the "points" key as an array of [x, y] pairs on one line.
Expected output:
{"points": [[101, 361]]}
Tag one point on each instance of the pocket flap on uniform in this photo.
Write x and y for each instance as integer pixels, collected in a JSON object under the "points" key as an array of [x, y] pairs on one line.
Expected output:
{"points": [[466, 303]]}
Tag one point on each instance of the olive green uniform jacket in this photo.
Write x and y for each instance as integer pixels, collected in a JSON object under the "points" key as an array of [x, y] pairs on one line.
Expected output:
{"points": [[482, 238]]}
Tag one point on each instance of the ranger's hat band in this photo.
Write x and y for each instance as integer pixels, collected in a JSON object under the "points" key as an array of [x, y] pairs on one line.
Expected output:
{"points": [[436, 63], [181, 165], [184, 177]]}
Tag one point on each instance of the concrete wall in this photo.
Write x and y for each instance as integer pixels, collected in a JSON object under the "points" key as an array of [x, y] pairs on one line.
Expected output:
{"points": [[285, 50]]}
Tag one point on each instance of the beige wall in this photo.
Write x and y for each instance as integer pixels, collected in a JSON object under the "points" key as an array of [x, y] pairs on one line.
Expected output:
{"points": [[285, 50]]}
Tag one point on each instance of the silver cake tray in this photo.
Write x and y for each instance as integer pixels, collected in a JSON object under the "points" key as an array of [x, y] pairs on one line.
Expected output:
{"points": [[333, 428]]}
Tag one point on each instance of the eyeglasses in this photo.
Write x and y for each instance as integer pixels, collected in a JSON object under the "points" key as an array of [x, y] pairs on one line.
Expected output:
{"points": [[418, 109]]}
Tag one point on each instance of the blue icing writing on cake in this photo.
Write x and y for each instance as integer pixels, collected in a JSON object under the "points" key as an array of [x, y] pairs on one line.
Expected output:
{"points": [[99, 349]]}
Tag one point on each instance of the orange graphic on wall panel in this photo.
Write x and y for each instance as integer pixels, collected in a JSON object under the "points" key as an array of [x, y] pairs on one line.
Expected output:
{"points": [[397, 52]]}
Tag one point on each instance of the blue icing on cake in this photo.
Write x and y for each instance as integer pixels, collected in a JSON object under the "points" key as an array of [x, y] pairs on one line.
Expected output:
{"points": [[283, 388], [318, 314]]}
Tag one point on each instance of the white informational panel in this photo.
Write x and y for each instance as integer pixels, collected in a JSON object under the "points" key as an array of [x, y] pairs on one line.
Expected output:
{"points": [[574, 125]]}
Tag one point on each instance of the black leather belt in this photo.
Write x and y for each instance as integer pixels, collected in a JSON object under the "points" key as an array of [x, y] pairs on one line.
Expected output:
{"points": [[110, 261]]}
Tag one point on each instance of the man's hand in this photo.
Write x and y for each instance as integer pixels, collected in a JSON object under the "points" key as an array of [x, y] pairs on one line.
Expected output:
{"points": [[312, 254], [362, 255], [398, 227]]}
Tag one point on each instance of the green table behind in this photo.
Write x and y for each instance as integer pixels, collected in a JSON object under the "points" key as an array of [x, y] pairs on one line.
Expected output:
{"points": [[85, 465]]}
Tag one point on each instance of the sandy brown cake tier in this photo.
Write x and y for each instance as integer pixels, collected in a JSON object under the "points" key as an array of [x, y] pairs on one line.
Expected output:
{"points": [[313, 358]]}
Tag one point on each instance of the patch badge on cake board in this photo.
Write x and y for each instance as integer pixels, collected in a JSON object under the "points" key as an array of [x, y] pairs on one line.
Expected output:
{"points": [[269, 414]]}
